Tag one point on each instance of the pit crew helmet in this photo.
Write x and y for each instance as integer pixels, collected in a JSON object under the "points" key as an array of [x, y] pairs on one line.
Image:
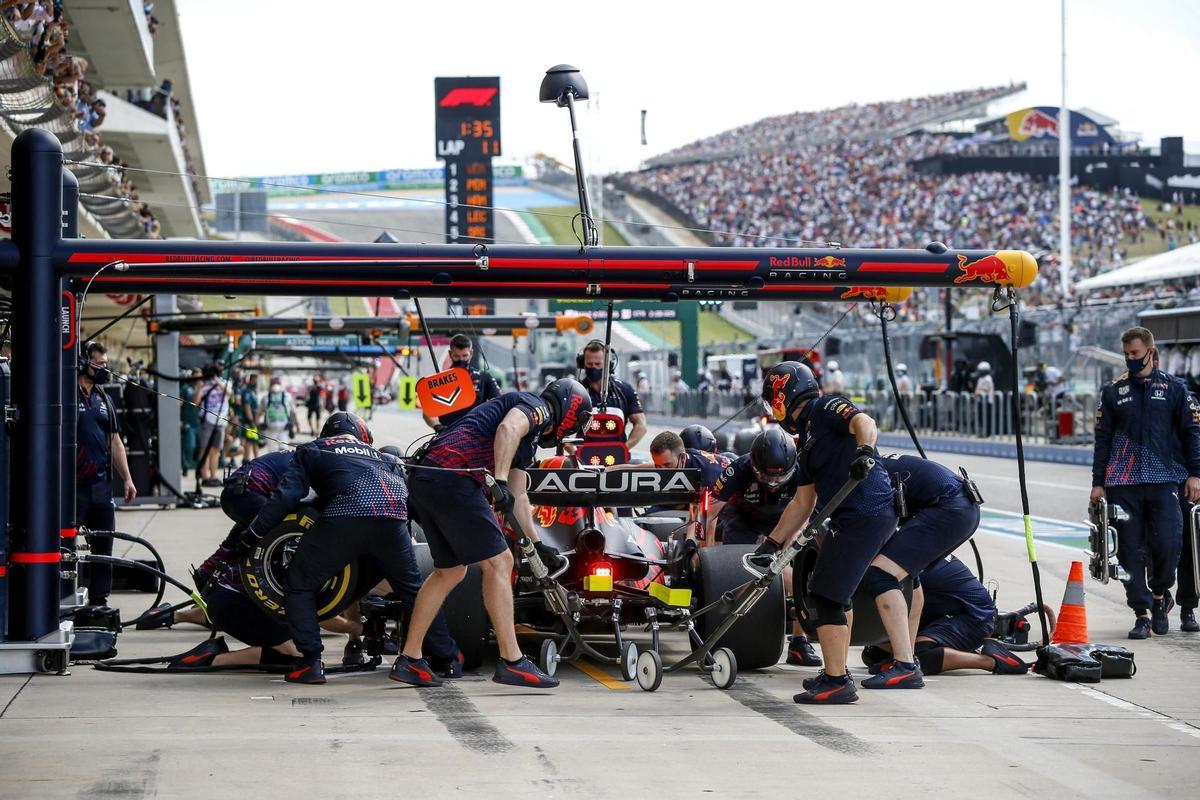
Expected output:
{"points": [[343, 422], [786, 386], [698, 437], [571, 407], [773, 457]]}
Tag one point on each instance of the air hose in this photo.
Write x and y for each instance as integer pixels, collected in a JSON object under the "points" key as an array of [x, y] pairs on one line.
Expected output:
{"points": [[129, 537], [887, 312], [92, 558]]}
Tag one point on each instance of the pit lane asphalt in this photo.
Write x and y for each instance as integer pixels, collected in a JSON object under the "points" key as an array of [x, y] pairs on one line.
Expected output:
{"points": [[94, 735]]}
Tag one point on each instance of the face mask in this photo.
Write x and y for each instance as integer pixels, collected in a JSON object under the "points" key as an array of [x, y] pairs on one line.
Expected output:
{"points": [[464, 364], [594, 373], [101, 374], [1136, 365]]}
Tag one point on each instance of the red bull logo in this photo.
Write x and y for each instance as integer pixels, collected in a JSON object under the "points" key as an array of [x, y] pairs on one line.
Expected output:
{"points": [[866, 293], [1032, 123], [777, 383], [829, 261], [989, 269], [570, 418]]}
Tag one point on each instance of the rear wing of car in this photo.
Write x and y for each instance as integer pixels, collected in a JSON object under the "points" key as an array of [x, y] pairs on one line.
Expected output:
{"points": [[613, 487]]}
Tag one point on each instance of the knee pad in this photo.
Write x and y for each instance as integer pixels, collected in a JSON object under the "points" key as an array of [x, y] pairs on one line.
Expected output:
{"points": [[828, 612], [876, 582], [930, 655]]}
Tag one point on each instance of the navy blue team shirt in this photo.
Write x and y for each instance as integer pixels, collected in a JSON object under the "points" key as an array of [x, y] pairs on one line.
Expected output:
{"points": [[351, 479], [926, 483], [951, 590], [740, 488], [827, 453], [711, 465], [97, 423], [265, 472], [470, 443]]}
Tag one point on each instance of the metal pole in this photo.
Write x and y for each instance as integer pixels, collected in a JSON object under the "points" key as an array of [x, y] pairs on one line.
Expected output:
{"points": [[1064, 172], [590, 237], [70, 411], [37, 187]]}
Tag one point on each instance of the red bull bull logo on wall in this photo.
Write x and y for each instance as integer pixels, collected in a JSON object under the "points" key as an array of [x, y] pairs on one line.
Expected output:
{"points": [[866, 293], [1041, 122]]}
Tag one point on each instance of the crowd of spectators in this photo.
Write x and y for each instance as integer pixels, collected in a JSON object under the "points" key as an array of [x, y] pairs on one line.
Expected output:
{"points": [[846, 122], [41, 25], [865, 193]]}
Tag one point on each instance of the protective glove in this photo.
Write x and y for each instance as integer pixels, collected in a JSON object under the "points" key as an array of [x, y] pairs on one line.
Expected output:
{"points": [[864, 459], [765, 551], [549, 555], [502, 496]]}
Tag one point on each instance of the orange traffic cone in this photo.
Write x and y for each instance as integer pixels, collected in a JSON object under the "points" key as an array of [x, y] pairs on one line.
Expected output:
{"points": [[1072, 618]]}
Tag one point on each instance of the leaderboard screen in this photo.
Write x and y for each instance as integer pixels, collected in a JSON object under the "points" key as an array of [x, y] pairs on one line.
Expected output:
{"points": [[467, 128]]}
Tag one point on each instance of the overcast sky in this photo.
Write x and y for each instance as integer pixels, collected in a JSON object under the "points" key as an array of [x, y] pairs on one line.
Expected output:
{"points": [[293, 86]]}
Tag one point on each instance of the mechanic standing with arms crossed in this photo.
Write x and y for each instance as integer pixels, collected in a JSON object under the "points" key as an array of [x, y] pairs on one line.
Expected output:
{"points": [[362, 498], [100, 450], [485, 385], [1144, 417], [621, 396], [838, 443], [497, 439]]}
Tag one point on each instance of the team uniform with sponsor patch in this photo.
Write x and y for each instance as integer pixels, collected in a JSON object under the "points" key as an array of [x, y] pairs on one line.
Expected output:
{"points": [[453, 508], [363, 503], [94, 508], [959, 612], [940, 514], [1141, 424], [752, 508], [864, 520]]}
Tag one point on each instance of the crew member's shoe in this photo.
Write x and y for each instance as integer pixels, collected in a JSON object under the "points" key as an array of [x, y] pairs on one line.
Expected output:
{"points": [[809, 683], [1160, 623], [308, 670], [523, 672], [414, 672], [828, 690], [801, 653], [874, 656], [1006, 662], [897, 675], [352, 655], [1141, 628], [201, 655], [449, 668], [1187, 621], [161, 616]]}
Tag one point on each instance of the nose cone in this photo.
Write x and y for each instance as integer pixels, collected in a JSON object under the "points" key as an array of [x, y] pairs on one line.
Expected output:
{"points": [[1022, 267]]}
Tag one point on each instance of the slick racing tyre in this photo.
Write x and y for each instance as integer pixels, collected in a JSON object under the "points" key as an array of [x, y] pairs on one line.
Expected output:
{"points": [[465, 614], [757, 639], [264, 571], [868, 627]]}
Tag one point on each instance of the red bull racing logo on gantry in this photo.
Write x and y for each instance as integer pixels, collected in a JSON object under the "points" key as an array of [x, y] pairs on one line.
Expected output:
{"points": [[989, 269]]}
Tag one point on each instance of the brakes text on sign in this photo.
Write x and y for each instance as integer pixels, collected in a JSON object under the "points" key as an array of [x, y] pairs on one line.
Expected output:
{"points": [[406, 395], [362, 390], [444, 392]]}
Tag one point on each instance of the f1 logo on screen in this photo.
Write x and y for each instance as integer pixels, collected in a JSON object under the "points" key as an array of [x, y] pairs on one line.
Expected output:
{"points": [[444, 392]]}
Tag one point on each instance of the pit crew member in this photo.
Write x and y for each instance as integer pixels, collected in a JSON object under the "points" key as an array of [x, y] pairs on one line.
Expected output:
{"points": [[450, 494], [839, 442], [486, 389], [1143, 419], [362, 497]]}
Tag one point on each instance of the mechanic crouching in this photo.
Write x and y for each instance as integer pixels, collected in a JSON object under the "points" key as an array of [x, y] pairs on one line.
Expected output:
{"points": [[450, 496], [838, 442], [667, 451], [362, 497], [755, 489], [940, 511], [1143, 423]]}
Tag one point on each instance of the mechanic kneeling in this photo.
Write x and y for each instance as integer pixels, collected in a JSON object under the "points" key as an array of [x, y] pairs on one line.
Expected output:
{"points": [[955, 623], [499, 438], [362, 497], [756, 488], [941, 511], [839, 442]]}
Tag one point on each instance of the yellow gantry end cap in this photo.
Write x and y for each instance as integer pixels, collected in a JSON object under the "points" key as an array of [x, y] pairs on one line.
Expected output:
{"points": [[898, 294], [1022, 267]]}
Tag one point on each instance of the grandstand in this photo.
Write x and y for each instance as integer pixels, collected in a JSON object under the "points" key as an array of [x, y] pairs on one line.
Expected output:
{"points": [[850, 175]]}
